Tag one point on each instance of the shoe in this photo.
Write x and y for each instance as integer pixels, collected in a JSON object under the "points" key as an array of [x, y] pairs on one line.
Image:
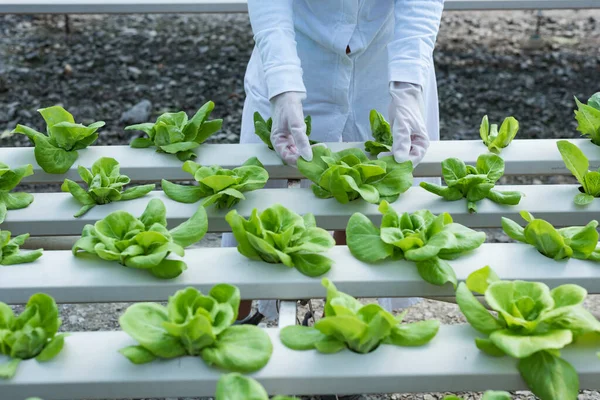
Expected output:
{"points": [[251, 319]]}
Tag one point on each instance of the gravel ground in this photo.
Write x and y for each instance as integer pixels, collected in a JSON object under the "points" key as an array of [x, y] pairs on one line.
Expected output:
{"points": [[487, 63]]}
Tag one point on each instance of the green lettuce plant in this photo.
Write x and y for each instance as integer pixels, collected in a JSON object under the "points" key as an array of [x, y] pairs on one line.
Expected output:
{"points": [[588, 118], [234, 386], [10, 253], [32, 334], [262, 129], [104, 185], [474, 183], [578, 164], [576, 241], [532, 325], [278, 235], [422, 237], [382, 134], [173, 133], [497, 140], [195, 324], [349, 174], [145, 242], [9, 179], [56, 152], [488, 395], [219, 186], [360, 328]]}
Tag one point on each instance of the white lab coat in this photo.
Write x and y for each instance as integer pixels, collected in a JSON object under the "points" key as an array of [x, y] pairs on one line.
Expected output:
{"points": [[301, 46]]}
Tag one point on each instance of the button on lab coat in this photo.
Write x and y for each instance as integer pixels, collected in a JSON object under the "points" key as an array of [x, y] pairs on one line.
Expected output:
{"points": [[301, 46]]}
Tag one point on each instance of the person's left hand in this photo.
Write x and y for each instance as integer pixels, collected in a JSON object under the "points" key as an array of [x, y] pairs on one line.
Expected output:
{"points": [[407, 123]]}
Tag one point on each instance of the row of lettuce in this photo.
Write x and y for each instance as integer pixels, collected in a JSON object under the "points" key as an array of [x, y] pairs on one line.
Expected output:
{"points": [[530, 323], [177, 134], [346, 175], [279, 235]]}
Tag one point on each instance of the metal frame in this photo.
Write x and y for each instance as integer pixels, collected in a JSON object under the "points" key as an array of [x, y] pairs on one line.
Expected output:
{"points": [[86, 278], [240, 6], [522, 157]]}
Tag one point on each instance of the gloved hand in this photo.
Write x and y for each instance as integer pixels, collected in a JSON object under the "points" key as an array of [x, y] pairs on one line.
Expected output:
{"points": [[407, 122], [288, 133]]}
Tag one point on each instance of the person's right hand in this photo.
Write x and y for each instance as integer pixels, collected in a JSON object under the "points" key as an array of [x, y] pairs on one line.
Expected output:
{"points": [[288, 133]]}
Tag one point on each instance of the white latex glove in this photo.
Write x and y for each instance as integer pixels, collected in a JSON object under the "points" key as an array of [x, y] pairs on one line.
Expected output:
{"points": [[288, 133], [408, 125]]}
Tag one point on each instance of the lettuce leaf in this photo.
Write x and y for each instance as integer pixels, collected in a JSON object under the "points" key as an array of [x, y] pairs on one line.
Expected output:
{"points": [[9, 179], [234, 386], [588, 118], [495, 139], [348, 175], [197, 325], [474, 183], [174, 133], [262, 129], [349, 324], [104, 185], [382, 134], [532, 325], [421, 237], [219, 186], [32, 334], [145, 242], [278, 235], [578, 164], [579, 242], [57, 151], [10, 253]]}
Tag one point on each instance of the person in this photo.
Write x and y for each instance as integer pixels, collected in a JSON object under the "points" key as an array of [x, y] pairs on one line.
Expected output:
{"points": [[335, 60]]}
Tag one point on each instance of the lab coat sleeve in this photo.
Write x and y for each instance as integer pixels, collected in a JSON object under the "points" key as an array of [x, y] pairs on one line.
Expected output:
{"points": [[410, 53], [273, 27]]}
